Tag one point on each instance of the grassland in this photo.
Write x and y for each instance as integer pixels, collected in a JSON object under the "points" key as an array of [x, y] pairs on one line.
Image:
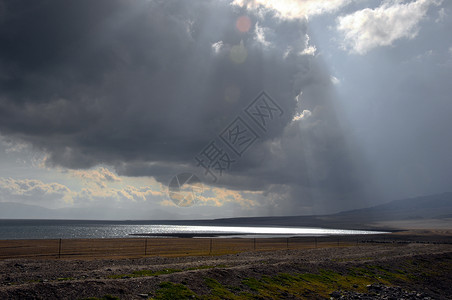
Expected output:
{"points": [[230, 269]]}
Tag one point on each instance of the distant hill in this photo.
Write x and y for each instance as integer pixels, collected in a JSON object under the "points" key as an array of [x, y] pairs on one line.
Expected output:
{"points": [[428, 207], [9, 210]]}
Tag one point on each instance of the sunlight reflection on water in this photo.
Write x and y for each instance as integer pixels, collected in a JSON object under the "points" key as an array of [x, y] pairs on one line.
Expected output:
{"points": [[240, 230], [86, 229]]}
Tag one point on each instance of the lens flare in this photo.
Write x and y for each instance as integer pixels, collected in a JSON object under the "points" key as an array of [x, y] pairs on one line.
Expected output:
{"points": [[243, 24], [238, 53]]}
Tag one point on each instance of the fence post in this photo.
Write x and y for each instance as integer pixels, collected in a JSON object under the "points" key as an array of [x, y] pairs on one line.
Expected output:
{"points": [[59, 249], [315, 242], [254, 244], [287, 243], [210, 248], [145, 246]]}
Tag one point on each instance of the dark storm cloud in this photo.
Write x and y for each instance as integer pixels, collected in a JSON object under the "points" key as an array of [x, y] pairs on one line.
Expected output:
{"points": [[139, 86]]}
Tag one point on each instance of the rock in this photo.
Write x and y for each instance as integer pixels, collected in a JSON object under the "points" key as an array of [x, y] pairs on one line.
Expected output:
{"points": [[143, 295], [335, 294], [374, 287]]}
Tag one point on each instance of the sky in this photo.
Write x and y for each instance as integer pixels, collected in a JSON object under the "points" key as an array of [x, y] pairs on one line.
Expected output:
{"points": [[264, 107]]}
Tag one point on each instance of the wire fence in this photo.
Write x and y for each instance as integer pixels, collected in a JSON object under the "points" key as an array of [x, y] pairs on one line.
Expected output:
{"points": [[137, 247]]}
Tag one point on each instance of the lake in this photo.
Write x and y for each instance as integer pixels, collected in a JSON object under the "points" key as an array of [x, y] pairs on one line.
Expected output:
{"points": [[71, 229]]}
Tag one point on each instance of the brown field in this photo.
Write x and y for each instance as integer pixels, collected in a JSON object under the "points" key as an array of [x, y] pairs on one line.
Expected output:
{"points": [[138, 247], [170, 247]]}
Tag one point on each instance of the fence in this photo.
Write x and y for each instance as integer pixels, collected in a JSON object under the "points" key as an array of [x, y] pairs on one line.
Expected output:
{"points": [[136, 247]]}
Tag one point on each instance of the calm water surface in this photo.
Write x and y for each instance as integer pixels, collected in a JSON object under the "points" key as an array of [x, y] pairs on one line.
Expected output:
{"points": [[70, 229]]}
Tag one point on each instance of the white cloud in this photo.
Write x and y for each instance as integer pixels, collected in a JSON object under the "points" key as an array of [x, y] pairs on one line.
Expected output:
{"points": [[305, 114], [56, 195], [335, 80], [36, 192], [216, 47], [97, 176], [308, 49], [369, 28], [260, 35], [291, 9], [218, 197], [441, 15], [128, 194]]}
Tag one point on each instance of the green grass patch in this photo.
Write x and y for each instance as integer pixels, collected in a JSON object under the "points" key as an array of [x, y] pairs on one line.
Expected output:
{"points": [[217, 290], [170, 291], [380, 274], [253, 284], [65, 278], [305, 285]]}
